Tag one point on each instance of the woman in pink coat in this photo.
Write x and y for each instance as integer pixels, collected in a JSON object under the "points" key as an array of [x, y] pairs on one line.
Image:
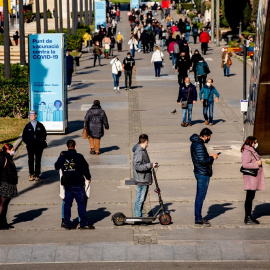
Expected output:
{"points": [[251, 160]]}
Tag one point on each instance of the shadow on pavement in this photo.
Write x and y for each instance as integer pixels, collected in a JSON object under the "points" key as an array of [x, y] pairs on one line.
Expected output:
{"points": [[28, 215], [95, 216], [261, 210], [109, 149], [74, 126], [218, 120], [216, 210], [153, 211], [77, 98]]}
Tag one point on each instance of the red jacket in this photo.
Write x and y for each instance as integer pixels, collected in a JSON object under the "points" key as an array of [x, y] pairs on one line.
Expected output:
{"points": [[204, 37], [117, 13]]}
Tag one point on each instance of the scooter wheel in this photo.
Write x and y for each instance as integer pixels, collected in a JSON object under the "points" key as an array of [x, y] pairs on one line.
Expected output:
{"points": [[118, 219], [165, 219]]}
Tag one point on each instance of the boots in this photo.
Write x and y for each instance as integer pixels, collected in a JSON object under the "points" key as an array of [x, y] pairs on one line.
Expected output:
{"points": [[249, 220]]}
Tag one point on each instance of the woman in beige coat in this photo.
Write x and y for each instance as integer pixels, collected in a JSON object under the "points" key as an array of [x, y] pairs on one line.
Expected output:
{"points": [[226, 63]]}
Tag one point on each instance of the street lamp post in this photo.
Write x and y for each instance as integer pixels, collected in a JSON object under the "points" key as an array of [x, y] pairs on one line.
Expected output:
{"points": [[86, 12], [91, 11], [22, 35], [217, 22], [212, 21], [6, 40], [240, 28], [81, 12]]}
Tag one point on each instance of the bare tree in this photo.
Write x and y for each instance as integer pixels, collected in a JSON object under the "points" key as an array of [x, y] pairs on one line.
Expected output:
{"points": [[81, 11], [38, 17], [45, 17]]}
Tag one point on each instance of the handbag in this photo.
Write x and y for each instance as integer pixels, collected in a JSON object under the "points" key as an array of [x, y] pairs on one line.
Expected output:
{"points": [[85, 133], [206, 101], [251, 172], [230, 62], [185, 103], [206, 69]]}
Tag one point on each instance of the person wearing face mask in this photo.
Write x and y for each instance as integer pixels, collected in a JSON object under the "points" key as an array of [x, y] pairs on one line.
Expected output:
{"points": [[203, 163], [8, 183], [163, 36], [207, 98], [187, 96], [128, 66], [34, 136], [142, 173], [202, 69], [182, 66], [196, 57], [251, 160]]}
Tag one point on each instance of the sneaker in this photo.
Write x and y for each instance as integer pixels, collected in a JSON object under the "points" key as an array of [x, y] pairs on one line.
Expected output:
{"points": [[114, 88], [189, 124], [126, 89], [203, 222], [37, 178], [87, 227], [70, 227], [139, 50], [118, 88], [206, 122], [31, 177], [250, 221], [183, 124], [63, 225], [210, 124]]}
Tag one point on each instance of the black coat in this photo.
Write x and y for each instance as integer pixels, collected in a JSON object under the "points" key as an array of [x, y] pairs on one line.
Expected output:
{"points": [[33, 137], [183, 93], [96, 120], [75, 170], [8, 171], [182, 64], [194, 60], [201, 160], [144, 37]]}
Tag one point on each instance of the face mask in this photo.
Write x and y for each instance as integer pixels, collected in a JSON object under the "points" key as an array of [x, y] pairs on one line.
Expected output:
{"points": [[12, 153], [207, 140], [208, 84], [256, 145], [128, 57], [187, 84]]}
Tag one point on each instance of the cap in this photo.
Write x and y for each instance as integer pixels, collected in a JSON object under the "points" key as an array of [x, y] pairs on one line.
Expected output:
{"points": [[33, 112]]}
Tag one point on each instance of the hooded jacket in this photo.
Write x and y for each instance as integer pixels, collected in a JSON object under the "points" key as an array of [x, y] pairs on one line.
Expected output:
{"points": [[200, 67], [8, 171], [95, 120], [201, 160], [142, 166]]}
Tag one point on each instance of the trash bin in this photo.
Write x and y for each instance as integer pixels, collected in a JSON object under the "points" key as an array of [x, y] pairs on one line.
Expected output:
{"points": [[229, 38]]}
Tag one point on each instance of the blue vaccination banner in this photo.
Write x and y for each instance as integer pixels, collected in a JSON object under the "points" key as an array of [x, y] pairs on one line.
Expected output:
{"points": [[100, 14], [47, 80], [134, 4]]}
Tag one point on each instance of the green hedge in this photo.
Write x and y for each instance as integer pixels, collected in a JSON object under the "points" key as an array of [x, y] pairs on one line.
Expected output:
{"points": [[187, 6], [28, 15], [74, 43], [2, 39], [14, 95]]}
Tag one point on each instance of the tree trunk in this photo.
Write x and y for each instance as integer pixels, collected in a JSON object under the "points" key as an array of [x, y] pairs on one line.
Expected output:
{"points": [[86, 12], [61, 16], [22, 35], [74, 14], [6, 40], [56, 16], [81, 12], [91, 11], [68, 18], [38, 17], [45, 16]]}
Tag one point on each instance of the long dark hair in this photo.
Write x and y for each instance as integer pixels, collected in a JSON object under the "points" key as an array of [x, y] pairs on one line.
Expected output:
{"points": [[249, 141]]}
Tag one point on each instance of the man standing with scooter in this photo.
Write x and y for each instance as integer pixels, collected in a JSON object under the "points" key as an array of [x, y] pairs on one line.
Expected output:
{"points": [[142, 173], [202, 162]]}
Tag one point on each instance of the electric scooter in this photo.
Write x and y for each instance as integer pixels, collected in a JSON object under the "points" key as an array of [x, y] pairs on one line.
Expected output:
{"points": [[164, 218]]}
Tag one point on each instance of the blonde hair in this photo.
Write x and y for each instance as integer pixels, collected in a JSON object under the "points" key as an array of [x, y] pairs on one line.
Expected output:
{"points": [[156, 48]]}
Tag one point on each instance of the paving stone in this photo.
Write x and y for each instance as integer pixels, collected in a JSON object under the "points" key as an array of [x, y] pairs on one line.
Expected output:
{"points": [[18, 254], [43, 253]]}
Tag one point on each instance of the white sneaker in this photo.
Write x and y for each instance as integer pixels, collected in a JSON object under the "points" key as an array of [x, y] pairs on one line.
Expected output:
{"points": [[172, 66], [139, 50], [117, 88], [114, 88]]}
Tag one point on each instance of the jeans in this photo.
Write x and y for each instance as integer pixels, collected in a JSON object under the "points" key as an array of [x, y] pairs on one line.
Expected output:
{"points": [[202, 186], [188, 112], [140, 198], [226, 70], [202, 80], [140, 46], [133, 53], [118, 18], [79, 194], [128, 75], [95, 59], [115, 80], [173, 56], [157, 65], [211, 111], [163, 43], [187, 36]]}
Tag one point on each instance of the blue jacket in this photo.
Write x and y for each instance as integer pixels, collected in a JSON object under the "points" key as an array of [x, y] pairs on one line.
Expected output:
{"points": [[200, 68], [201, 160], [183, 93], [74, 166], [205, 92]]}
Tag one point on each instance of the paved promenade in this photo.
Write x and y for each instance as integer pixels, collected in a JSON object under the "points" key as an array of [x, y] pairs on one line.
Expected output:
{"points": [[36, 212]]}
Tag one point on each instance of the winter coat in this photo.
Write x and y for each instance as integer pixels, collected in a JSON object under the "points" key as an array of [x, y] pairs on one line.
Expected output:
{"points": [[76, 170], [142, 166], [201, 160], [205, 93], [116, 66], [96, 50], [35, 137], [95, 120], [171, 47], [200, 68], [8, 171], [183, 64], [228, 59], [69, 62], [133, 43], [249, 161], [183, 93], [145, 38], [204, 37], [194, 60], [157, 56]]}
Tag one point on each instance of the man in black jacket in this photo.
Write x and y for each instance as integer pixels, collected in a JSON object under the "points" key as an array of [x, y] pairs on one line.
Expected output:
{"points": [[182, 66], [202, 162], [188, 96], [128, 67], [34, 136], [74, 168]]}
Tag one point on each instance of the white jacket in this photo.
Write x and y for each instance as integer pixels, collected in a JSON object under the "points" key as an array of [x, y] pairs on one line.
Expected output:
{"points": [[157, 56], [131, 42], [116, 66]]}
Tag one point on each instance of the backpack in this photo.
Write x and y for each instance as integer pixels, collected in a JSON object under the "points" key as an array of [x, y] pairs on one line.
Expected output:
{"points": [[176, 48], [187, 27]]}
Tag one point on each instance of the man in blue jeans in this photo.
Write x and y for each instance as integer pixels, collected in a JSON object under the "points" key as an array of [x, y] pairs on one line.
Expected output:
{"points": [[207, 94], [74, 168], [187, 96], [202, 162], [142, 173]]}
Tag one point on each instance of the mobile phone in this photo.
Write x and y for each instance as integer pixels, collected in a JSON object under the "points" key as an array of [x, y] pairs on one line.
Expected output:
{"points": [[218, 153]]}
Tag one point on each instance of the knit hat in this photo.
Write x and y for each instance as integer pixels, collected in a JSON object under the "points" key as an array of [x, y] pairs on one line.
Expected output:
{"points": [[33, 112]]}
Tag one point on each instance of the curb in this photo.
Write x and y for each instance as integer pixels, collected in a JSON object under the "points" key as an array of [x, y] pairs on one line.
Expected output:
{"points": [[17, 142]]}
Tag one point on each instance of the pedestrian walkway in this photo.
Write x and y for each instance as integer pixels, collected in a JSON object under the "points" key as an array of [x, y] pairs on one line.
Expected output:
{"points": [[36, 212]]}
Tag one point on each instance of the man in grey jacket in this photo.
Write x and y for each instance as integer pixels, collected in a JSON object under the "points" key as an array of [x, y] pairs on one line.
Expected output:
{"points": [[142, 173]]}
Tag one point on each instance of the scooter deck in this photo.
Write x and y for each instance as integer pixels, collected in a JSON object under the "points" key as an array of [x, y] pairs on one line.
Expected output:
{"points": [[136, 219]]}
